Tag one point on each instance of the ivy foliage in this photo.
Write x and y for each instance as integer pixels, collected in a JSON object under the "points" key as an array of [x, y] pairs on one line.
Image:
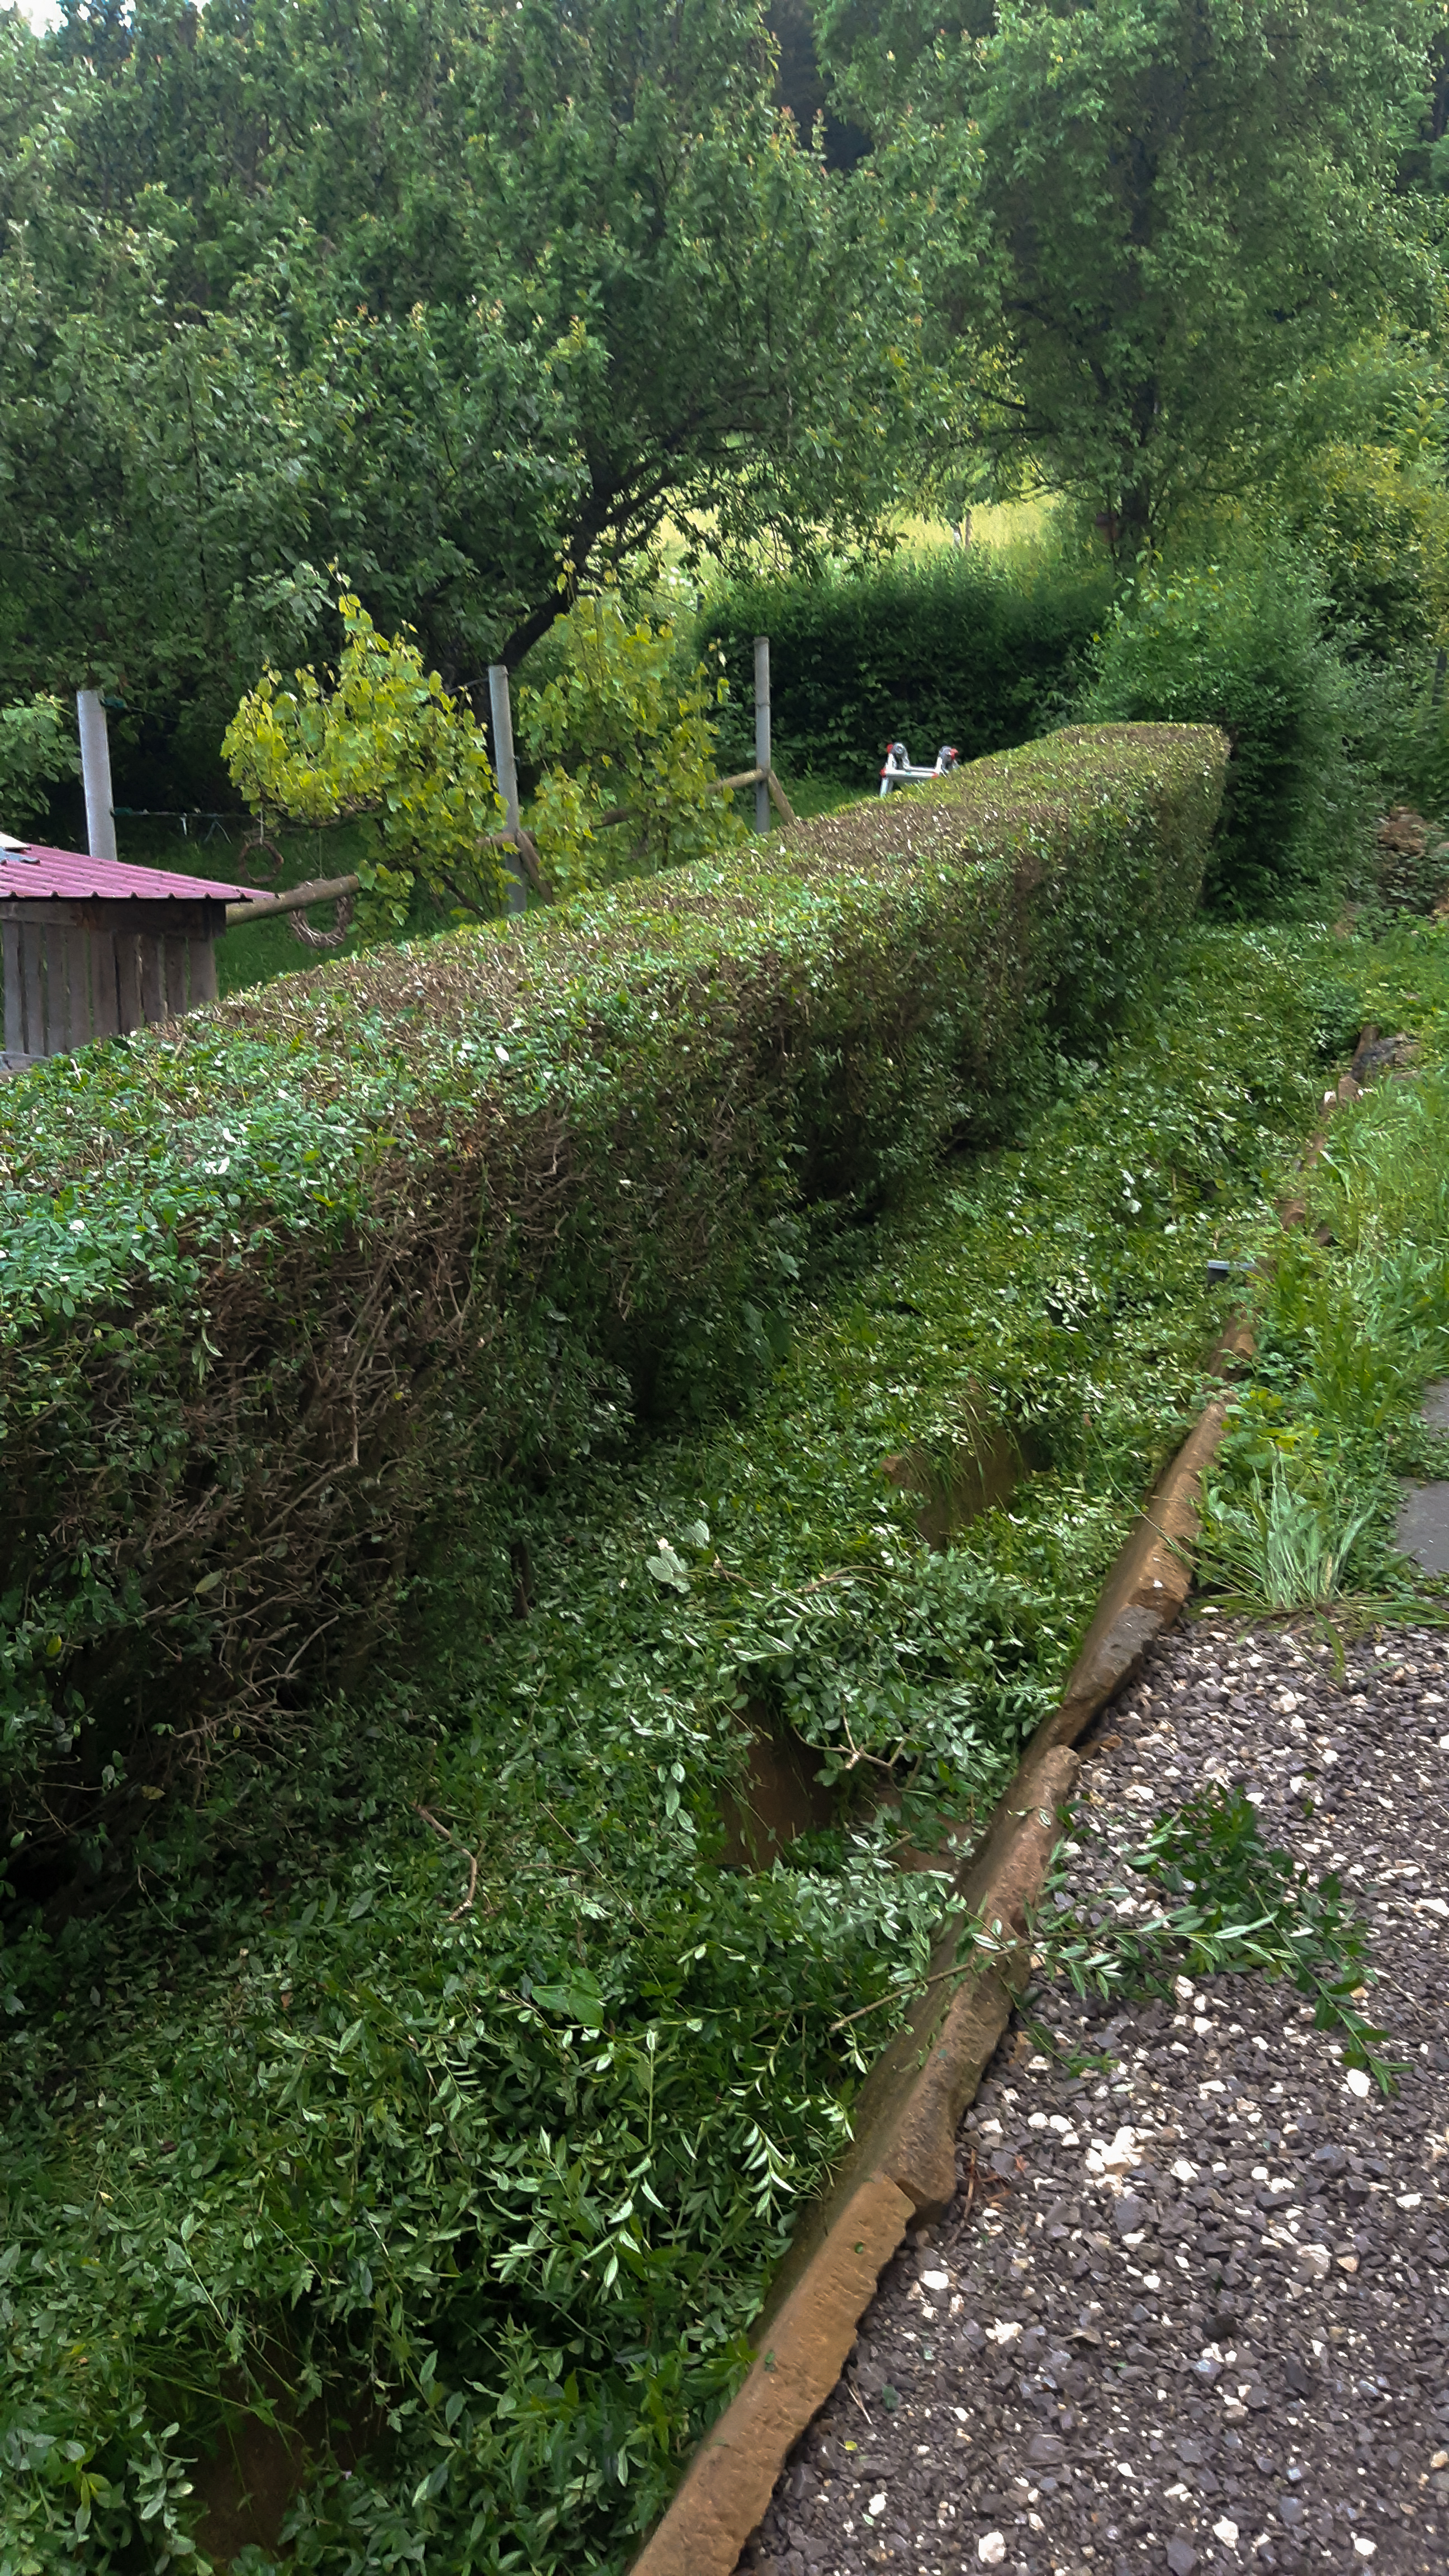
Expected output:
{"points": [[450, 2086], [324, 1263]]}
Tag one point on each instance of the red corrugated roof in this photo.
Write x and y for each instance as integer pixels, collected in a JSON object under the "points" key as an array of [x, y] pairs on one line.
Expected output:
{"points": [[35, 873]]}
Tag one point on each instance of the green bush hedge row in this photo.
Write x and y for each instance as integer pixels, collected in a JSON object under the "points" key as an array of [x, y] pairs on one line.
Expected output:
{"points": [[1241, 642], [405, 2139], [955, 647], [299, 1281]]}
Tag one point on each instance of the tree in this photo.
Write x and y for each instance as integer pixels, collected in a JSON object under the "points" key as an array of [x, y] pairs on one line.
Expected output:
{"points": [[620, 734], [445, 293], [623, 743], [379, 741], [1183, 204], [37, 747], [157, 459]]}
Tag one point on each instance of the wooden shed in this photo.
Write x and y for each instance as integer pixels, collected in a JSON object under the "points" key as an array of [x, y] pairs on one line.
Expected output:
{"points": [[93, 947]]}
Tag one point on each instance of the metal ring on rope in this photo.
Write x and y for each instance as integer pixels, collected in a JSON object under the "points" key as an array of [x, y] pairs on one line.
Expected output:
{"points": [[261, 843], [302, 928]]}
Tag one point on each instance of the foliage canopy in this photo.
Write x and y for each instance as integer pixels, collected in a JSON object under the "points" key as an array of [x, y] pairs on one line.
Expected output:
{"points": [[37, 748], [443, 293], [384, 742], [623, 741], [1182, 203]]}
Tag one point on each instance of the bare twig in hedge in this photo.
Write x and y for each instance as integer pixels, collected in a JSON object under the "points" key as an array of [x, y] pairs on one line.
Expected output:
{"points": [[860, 1753], [472, 1888], [472, 1859], [894, 1997]]}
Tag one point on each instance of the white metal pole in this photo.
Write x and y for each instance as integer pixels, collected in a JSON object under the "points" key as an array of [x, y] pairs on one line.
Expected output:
{"points": [[96, 774], [505, 770], [762, 729]]}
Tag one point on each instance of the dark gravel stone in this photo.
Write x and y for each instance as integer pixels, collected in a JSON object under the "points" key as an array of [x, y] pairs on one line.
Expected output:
{"points": [[1273, 2354], [1045, 2450]]}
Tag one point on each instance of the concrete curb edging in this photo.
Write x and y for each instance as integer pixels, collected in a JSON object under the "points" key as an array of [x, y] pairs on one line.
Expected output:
{"points": [[901, 2165]]}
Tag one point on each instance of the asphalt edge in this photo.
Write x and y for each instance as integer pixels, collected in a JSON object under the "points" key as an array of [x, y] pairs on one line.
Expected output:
{"points": [[900, 2169]]}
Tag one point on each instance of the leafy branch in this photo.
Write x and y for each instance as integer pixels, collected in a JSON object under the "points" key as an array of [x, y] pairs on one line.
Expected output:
{"points": [[1237, 1904]]}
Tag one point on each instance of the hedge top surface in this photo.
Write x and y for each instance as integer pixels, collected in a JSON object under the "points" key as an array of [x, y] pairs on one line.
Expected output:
{"points": [[270, 1110], [685, 917], [482, 972]]}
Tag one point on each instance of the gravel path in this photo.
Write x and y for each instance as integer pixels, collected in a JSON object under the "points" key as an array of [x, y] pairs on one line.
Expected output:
{"points": [[1190, 2309]]}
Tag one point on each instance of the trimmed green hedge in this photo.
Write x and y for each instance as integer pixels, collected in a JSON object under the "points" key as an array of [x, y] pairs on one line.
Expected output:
{"points": [[956, 647], [287, 1289]]}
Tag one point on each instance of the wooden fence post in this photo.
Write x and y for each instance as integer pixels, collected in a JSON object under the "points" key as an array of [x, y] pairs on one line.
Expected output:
{"points": [[762, 732], [506, 769]]}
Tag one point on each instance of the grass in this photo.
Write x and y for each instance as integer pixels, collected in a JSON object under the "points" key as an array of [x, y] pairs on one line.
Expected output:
{"points": [[1025, 532], [1013, 528], [1351, 1323], [443, 2069]]}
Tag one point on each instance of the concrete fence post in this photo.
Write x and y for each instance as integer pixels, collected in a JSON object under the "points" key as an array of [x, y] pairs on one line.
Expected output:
{"points": [[762, 731], [506, 771], [96, 774]]}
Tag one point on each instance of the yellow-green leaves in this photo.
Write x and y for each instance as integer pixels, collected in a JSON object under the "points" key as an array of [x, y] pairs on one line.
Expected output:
{"points": [[625, 733], [386, 743], [621, 735]]}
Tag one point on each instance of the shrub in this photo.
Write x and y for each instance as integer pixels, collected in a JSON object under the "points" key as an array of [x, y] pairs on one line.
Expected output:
{"points": [[957, 648], [305, 1273], [1239, 644], [1402, 744], [1379, 534], [622, 738]]}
